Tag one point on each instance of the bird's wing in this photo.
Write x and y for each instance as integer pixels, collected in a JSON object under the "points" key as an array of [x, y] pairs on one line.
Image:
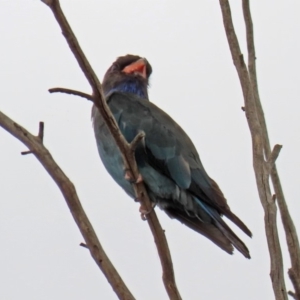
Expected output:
{"points": [[169, 149], [166, 143]]}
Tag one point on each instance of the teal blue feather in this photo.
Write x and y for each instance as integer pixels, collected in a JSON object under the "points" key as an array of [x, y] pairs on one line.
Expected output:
{"points": [[167, 159]]}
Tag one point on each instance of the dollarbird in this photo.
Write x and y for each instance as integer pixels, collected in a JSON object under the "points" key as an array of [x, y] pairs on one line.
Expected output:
{"points": [[167, 159]]}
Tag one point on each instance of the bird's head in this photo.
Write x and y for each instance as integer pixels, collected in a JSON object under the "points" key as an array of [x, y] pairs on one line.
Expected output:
{"points": [[129, 73]]}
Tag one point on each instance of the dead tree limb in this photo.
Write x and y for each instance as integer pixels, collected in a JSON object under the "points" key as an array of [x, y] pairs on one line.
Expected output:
{"points": [[288, 224], [71, 92], [36, 147], [259, 162], [125, 148]]}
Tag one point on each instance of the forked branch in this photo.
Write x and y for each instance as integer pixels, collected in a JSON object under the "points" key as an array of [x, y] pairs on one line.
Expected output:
{"points": [[259, 138], [125, 148], [36, 147], [71, 92], [288, 224]]}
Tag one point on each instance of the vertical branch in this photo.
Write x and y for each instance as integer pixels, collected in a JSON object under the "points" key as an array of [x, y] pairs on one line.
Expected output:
{"points": [[261, 167], [288, 224], [125, 148]]}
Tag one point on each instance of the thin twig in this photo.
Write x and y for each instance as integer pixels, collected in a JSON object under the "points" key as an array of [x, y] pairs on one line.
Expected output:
{"points": [[26, 152], [68, 190], [274, 155], [137, 140], [40, 136], [41, 132], [128, 155], [71, 92], [294, 279], [83, 245], [292, 294], [261, 173], [288, 224]]}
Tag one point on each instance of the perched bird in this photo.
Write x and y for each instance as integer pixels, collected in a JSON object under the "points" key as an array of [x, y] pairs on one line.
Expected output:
{"points": [[167, 159]]}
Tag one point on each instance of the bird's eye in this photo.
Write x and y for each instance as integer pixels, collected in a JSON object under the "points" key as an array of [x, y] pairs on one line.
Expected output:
{"points": [[114, 67]]}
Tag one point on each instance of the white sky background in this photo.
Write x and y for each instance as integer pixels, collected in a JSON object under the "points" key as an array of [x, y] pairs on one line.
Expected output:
{"points": [[194, 80]]}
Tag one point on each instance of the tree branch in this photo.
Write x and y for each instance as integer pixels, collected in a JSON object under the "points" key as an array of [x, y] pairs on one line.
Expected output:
{"points": [[292, 294], [294, 280], [288, 224], [273, 157], [136, 141], [71, 92], [67, 188], [128, 155], [39, 136], [261, 172]]}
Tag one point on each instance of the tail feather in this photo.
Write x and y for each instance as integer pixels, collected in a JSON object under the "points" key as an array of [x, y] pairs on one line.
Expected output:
{"points": [[238, 222], [224, 208], [226, 230], [208, 230], [207, 221]]}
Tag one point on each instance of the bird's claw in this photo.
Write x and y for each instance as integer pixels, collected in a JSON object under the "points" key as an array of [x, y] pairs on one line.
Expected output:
{"points": [[144, 211], [139, 179], [128, 176]]}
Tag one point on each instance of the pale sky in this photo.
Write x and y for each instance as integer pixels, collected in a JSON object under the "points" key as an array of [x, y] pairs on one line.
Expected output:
{"points": [[194, 80]]}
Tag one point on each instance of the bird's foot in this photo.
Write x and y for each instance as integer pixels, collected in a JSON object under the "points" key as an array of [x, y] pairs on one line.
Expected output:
{"points": [[139, 179], [128, 176], [144, 211]]}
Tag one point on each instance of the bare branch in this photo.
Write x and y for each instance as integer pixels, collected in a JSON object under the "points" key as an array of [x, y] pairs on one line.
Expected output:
{"points": [[26, 152], [292, 294], [261, 174], [128, 155], [68, 190], [39, 136], [71, 92], [136, 141], [288, 224], [273, 157], [294, 279]]}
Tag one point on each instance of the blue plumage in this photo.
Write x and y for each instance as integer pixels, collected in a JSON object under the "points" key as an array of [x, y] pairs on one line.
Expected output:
{"points": [[130, 86], [167, 159]]}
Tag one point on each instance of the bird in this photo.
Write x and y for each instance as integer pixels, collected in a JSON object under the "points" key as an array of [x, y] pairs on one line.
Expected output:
{"points": [[167, 159]]}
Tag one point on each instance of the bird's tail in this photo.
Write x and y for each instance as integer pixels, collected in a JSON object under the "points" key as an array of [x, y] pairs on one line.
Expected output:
{"points": [[226, 210], [225, 229], [214, 228]]}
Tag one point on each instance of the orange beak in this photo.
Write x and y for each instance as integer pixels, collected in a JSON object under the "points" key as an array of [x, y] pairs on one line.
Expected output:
{"points": [[136, 67]]}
